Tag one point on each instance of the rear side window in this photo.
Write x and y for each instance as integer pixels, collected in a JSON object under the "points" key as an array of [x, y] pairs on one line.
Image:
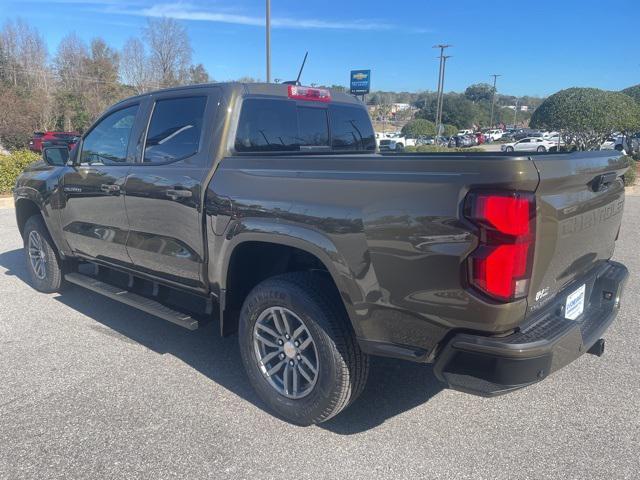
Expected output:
{"points": [[175, 129], [351, 129]]}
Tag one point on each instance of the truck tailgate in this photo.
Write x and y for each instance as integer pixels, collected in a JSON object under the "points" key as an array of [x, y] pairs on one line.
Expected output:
{"points": [[580, 200]]}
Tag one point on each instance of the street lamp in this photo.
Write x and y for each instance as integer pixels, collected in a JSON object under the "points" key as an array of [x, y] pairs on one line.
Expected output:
{"points": [[493, 99], [268, 28]]}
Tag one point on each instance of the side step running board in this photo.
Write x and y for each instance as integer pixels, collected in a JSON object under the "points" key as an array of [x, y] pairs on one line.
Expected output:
{"points": [[134, 300]]}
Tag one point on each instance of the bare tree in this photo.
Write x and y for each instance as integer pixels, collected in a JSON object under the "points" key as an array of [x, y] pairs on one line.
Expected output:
{"points": [[169, 51], [101, 68], [69, 63], [198, 74], [134, 66], [25, 55]]}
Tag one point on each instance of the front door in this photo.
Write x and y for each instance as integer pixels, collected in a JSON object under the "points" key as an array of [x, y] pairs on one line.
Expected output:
{"points": [[94, 218], [164, 190]]}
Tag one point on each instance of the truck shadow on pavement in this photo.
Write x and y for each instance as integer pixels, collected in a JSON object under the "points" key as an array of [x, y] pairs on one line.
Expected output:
{"points": [[393, 387]]}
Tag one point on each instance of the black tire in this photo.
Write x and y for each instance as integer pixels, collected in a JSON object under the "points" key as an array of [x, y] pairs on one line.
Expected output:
{"points": [[509, 149], [50, 277], [342, 368], [541, 149]]}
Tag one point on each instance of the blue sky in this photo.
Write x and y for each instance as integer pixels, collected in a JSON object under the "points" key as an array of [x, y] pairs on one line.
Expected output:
{"points": [[538, 46]]}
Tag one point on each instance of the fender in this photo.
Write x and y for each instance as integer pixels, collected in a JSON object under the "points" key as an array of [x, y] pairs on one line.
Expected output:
{"points": [[312, 241], [45, 199]]}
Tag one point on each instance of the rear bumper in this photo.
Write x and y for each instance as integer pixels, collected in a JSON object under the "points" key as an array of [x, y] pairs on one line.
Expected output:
{"points": [[490, 366]]}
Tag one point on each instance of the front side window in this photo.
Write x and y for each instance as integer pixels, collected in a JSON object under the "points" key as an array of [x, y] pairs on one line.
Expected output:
{"points": [[107, 143], [175, 129]]}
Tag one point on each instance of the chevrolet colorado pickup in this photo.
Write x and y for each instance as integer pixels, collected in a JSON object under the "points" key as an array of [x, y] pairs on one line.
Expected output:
{"points": [[271, 203]]}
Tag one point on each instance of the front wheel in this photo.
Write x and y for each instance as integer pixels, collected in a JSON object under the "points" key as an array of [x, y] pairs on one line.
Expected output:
{"points": [[508, 149], [43, 264], [298, 348], [542, 149]]}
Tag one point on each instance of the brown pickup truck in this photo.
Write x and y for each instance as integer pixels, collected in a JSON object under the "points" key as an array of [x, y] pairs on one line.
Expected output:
{"points": [[270, 204]]}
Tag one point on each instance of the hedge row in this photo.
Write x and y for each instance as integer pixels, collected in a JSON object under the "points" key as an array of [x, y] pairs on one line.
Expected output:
{"points": [[439, 149], [12, 165], [631, 174]]}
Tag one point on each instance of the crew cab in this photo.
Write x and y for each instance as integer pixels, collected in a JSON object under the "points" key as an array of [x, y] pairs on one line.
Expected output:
{"points": [[267, 209]]}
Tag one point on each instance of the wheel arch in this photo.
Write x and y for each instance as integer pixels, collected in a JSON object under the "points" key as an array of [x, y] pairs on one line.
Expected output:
{"points": [[26, 208], [296, 249]]}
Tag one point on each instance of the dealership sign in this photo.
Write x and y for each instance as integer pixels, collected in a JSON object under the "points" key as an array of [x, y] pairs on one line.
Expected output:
{"points": [[360, 81]]}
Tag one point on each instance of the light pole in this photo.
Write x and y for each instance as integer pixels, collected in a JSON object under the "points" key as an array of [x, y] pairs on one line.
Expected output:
{"points": [[442, 58], [515, 114], [268, 25], [439, 119], [493, 99]]}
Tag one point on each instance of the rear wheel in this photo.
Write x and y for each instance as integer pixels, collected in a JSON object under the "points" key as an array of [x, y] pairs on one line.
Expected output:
{"points": [[43, 264], [298, 348]]}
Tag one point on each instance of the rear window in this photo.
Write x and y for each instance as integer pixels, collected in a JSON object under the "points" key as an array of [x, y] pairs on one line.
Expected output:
{"points": [[270, 125], [351, 129]]}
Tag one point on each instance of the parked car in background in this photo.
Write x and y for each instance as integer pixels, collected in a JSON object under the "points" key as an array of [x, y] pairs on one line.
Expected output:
{"points": [[425, 140], [465, 132], [526, 132], [494, 134], [623, 143], [529, 144], [390, 145], [462, 141], [53, 139]]}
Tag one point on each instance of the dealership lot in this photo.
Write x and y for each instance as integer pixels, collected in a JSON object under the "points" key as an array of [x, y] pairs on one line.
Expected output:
{"points": [[90, 387]]}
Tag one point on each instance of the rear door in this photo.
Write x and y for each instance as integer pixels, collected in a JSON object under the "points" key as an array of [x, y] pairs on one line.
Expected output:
{"points": [[164, 189], [94, 218], [579, 201]]}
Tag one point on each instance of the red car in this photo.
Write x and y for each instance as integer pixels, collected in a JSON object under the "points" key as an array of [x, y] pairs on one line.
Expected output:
{"points": [[41, 139]]}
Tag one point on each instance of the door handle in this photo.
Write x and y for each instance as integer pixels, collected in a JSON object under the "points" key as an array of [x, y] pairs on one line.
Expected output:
{"points": [[175, 194], [110, 188]]}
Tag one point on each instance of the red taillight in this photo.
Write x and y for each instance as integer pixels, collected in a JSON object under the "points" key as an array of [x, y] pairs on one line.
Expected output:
{"points": [[308, 93], [501, 265]]}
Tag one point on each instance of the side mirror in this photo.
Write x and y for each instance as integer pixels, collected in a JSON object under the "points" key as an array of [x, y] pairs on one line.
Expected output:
{"points": [[55, 156]]}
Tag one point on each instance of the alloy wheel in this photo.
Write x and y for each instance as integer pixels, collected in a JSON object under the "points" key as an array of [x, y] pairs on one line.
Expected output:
{"points": [[285, 352], [37, 256]]}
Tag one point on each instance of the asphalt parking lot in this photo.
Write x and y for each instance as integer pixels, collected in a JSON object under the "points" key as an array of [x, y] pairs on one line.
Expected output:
{"points": [[93, 389]]}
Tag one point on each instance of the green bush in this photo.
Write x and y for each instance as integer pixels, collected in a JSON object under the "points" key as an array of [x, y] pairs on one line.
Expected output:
{"points": [[587, 110], [12, 165], [632, 173], [439, 149], [418, 128], [633, 92]]}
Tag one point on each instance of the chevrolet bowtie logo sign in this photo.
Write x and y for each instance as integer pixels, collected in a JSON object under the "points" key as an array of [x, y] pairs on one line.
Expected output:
{"points": [[360, 82]]}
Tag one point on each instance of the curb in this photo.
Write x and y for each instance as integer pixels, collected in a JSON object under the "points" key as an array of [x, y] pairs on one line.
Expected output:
{"points": [[6, 202], [633, 191]]}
